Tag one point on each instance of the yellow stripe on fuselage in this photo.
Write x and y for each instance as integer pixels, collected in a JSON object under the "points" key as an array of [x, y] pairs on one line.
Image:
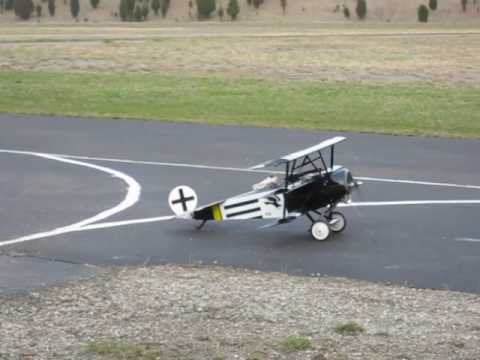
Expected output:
{"points": [[217, 213]]}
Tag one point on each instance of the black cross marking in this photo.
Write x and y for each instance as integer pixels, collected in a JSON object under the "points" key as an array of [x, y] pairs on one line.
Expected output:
{"points": [[183, 200]]}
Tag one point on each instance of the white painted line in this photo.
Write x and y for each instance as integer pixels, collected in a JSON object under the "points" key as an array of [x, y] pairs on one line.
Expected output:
{"points": [[353, 204], [134, 189], [410, 202], [225, 168], [170, 164], [132, 196], [125, 222], [467, 239], [414, 182]]}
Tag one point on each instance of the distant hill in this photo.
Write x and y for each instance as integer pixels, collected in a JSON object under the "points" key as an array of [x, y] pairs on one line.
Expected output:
{"points": [[397, 11]]}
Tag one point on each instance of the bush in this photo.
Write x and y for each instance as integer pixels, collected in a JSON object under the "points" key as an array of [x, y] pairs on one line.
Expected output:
{"points": [[346, 12], [233, 9], [422, 13], [464, 5], [295, 343], [165, 5], [145, 11], [122, 10], [23, 8], [432, 4], [126, 8], [257, 3], [249, 2], [130, 8], [361, 9], [51, 7], [38, 10], [1, 6], [74, 7], [94, 3], [283, 4], [205, 8], [221, 13], [155, 6], [8, 5], [349, 328], [138, 15]]}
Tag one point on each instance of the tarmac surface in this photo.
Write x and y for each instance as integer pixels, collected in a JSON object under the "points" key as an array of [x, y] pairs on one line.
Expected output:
{"points": [[80, 194]]}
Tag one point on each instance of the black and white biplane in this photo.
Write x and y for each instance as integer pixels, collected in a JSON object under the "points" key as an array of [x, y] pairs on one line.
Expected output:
{"points": [[312, 185]]}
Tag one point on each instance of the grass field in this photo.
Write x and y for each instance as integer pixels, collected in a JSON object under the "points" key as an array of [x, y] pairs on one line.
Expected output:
{"points": [[403, 108], [360, 78]]}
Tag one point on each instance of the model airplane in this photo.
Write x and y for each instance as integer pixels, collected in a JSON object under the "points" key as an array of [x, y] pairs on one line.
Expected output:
{"points": [[309, 187]]}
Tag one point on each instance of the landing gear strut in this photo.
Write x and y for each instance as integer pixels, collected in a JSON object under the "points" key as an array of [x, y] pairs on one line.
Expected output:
{"points": [[330, 221], [199, 227]]}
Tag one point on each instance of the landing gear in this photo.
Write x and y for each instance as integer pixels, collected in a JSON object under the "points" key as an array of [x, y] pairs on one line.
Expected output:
{"points": [[199, 227], [329, 222], [337, 222], [320, 231]]}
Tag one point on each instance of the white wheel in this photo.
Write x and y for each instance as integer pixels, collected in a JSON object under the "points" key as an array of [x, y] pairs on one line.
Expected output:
{"points": [[337, 222], [320, 231]]}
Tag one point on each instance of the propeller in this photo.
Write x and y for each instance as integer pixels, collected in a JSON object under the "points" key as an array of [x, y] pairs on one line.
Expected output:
{"points": [[355, 185]]}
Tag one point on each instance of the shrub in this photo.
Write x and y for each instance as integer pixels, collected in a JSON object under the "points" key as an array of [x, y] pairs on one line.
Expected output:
{"points": [[23, 8], [130, 8], [233, 9], [155, 6], [1, 6], [422, 13], [38, 10], [126, 9], [257, 3], [346, 12], [74, 7], [349, 328], [283, 4], [249, 2], [145, 11], [361, 9], [51, 7], [295, 343], [432, 4], [94, 3], [165, 5], [8, 5], [221, 13], [138, 15], [123, 10], [464, 5], [205, 8]]}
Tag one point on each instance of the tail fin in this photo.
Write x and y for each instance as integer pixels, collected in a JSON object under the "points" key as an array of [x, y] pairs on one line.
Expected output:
{"points": [[182, 200]]}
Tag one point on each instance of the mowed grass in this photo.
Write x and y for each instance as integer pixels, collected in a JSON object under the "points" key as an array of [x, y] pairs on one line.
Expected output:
{"points": [[384, 108]]}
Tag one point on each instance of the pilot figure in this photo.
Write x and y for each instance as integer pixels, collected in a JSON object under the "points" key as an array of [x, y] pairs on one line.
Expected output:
{"points": [[270, 182]]}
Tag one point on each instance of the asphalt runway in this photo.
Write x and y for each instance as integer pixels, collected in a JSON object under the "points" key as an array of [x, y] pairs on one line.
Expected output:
{"points": [[78, 194]]}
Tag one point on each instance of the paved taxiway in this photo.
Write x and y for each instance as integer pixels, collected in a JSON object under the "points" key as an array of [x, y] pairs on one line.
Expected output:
{"points": [[119, 171]]}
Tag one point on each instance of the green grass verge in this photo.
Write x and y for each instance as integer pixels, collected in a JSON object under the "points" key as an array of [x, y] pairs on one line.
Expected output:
{"points": [[349, 328], [295, 343], [121, 350], [387, 108]]}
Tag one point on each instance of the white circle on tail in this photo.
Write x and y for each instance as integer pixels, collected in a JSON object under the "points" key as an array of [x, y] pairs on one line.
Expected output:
{"points": [[182, 199]]}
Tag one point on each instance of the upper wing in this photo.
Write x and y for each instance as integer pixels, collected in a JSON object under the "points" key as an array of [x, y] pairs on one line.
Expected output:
{"points": [[299, 154]]}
